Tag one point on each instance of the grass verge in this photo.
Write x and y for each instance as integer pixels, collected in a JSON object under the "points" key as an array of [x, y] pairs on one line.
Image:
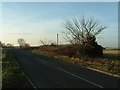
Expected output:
{"points": [[12, 75], [111, 67]]}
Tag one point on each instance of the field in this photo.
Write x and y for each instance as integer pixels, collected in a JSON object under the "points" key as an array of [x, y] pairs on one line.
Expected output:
{"points": [[109, 63], [112, 54]]}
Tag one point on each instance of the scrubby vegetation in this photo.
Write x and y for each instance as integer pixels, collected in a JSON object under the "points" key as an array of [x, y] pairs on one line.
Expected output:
{"points": [[12, 75], [67, 53]]}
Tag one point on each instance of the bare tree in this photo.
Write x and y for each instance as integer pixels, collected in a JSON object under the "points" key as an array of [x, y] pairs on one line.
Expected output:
{"points": [[82, 30], [27, 45], [9, 45], [21, 42], [45, 42]]}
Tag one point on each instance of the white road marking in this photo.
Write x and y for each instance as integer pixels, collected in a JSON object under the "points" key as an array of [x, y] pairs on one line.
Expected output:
{"points": [[79, 77], [30, 81], [40, 60]]}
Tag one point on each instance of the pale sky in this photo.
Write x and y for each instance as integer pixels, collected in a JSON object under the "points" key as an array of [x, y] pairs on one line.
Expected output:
{"points": [[35, 21], [59, 0]]}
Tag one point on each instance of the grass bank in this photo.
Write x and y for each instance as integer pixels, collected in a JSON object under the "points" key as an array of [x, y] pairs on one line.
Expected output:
{"points": [[12, 75], [111, 67]]}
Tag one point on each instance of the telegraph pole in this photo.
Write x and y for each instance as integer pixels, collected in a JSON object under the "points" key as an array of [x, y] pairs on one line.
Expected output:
{"points": [[57, 39]]}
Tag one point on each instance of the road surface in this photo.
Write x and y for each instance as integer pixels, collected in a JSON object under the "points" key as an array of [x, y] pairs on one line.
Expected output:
{"points": [[46, 72]]}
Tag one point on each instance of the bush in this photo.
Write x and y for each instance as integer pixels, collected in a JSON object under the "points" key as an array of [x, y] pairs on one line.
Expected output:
{"points": [[94, 51]]}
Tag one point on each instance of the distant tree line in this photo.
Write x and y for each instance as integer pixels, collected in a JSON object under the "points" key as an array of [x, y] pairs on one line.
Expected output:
{"points": [[8, 45]]}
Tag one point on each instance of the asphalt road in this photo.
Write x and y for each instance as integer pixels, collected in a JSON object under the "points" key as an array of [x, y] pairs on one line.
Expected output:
{"points": [[45, 72]]}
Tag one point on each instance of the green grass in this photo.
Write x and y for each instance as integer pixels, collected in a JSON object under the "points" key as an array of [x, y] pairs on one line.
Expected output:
{"points": [[102, 64], [12, 75]]}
